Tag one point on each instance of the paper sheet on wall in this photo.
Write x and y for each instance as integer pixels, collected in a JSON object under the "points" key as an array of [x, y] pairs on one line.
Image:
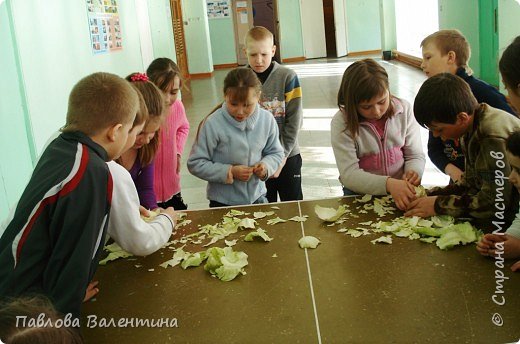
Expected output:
{"points": [[243, 17], [242, 4]]}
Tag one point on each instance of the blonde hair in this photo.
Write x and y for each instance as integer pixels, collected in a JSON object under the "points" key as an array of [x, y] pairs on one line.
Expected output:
{"points": [[362, 80], [99, 101], [451, 40], [257, 34]]}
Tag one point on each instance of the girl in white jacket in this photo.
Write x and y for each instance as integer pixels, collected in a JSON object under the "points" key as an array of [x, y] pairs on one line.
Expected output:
{"points": [[375, 137]]}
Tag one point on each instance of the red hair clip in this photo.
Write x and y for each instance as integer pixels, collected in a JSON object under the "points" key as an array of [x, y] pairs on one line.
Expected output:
{"points": [[139, 77]]}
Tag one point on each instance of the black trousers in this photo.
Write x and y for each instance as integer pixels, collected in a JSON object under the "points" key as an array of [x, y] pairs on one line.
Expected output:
{"points": [[176, 202], [288, 185], [215, 204]]}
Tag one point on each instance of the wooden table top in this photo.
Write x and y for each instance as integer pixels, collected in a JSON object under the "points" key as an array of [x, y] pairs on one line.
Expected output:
{"points": [[347, 290]]}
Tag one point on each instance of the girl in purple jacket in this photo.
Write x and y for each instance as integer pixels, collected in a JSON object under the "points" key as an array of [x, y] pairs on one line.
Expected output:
{"points": [[139, 160]]}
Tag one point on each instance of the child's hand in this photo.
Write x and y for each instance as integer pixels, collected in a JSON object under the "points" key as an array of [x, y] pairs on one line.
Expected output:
{"points": [[91, 291], [260, 170], [279, 170], [423, 207], [241, 172], [511, 245], [454, 172], [144, 212], [516, 266], [412, 177], [169, 211], [178, 163], [402, 192]]}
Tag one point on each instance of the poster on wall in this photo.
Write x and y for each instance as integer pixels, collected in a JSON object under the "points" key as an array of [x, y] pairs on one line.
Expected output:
{"points": [[104, 26], [218, 9]]}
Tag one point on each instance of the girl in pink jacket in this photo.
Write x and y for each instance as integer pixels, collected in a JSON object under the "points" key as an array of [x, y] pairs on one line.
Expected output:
{"points": [[165, 74], [375, 137]]}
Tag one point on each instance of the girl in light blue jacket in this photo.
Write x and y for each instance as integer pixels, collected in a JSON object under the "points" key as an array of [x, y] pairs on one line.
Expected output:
{"points": [[237, 147]]}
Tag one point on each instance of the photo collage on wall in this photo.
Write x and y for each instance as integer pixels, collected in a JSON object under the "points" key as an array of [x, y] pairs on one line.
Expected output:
{"points": [[104, 26], [218, 9]]}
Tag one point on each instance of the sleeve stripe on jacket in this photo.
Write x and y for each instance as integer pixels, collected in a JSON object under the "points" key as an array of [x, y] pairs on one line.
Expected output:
{"points": [[293, 90], [59, 190]]}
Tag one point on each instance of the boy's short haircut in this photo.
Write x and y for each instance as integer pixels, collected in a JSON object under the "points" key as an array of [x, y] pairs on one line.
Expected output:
{"points": [[99, 101], [451, 40], [513, 143], [259, 33], [441, 98], [509, 66]]}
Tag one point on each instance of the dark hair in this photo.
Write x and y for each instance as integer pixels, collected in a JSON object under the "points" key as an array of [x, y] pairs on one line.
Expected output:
{"points": [[236, 85], [162, 72], [152, 95], [154, 102], [142, 113], [14, 332], [362, 81], [441, 98], [513, 143], [509, 66], [238, 82]]}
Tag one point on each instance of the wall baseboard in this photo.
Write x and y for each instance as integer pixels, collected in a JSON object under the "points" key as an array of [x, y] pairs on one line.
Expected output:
{"points": [[293, 59], [201, 75], [366, 52], [408, 59], [225, 66]]}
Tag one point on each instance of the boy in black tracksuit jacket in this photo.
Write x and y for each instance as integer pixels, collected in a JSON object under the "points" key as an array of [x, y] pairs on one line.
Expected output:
{"points": [[52, 241]]}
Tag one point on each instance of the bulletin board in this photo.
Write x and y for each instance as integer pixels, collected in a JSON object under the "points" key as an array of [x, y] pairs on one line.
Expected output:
{"points": [[218, 9], [104, 26]]}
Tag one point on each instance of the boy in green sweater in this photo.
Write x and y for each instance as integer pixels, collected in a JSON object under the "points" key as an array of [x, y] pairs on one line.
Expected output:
{"points": [[446, 106]]}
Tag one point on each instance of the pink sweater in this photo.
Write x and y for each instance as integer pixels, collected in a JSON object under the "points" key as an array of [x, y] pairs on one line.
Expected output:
{"points": [[173, 135]]}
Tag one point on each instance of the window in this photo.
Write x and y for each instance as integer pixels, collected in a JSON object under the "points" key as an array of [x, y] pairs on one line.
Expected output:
{"points": [[414, 21]]}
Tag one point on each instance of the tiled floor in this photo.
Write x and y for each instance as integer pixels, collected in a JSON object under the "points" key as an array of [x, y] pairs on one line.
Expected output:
{"points": [[320, 81]]}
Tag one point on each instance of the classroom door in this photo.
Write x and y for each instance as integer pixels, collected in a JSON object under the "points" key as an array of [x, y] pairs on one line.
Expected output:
{"points": [[330, 30], [178, 36], [265, 14], [313, 27], [488, 40], [243, 21], [340, 26]]}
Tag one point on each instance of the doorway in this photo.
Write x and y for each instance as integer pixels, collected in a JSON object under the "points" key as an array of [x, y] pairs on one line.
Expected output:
{"points": [[180, 43], [265, 13], [243, 21], [313, 29], [330, 31]]}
